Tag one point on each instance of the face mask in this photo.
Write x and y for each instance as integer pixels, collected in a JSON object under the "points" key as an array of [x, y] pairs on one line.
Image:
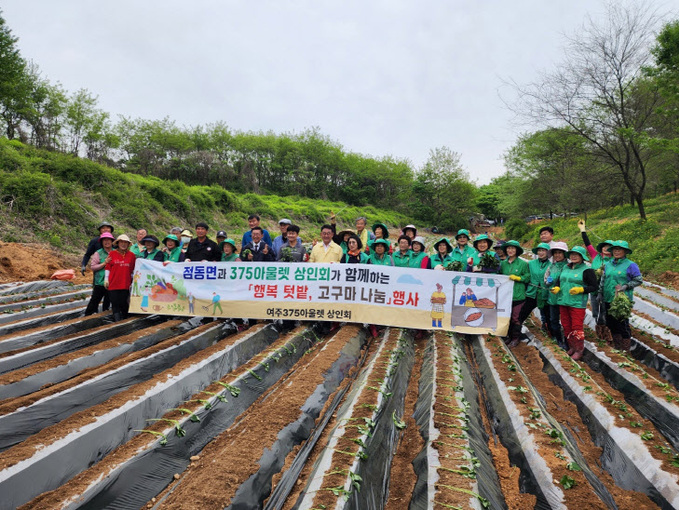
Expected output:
{"points": [[185, 240]]}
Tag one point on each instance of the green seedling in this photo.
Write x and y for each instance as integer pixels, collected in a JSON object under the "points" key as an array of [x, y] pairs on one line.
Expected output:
{"points": [[635, 424], [647, 436], [192, 416], [206, 403], [253, 374], [219, 397], [232, 389], [519, 389], [484, 502], [265, 365], [338, 491], [534, 413], [384, 393], [567, 482], [559, 455], [177, 428], [573, 466], [163, 440]]}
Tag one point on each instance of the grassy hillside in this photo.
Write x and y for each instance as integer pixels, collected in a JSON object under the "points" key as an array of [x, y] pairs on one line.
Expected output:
{"points": [[59, 199], [655, 241]]}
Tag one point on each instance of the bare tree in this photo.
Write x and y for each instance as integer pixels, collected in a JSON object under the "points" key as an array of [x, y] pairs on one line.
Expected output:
{"points": [[599, 91]]}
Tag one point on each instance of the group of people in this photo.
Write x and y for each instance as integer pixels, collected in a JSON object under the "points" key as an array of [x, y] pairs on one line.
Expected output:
{"points": [[557, 281]]}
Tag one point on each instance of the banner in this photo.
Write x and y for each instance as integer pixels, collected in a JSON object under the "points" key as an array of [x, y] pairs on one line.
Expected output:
{"points": [[472, 303]]}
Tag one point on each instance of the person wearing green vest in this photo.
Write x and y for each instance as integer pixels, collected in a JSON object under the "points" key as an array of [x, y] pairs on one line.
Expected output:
{"points": [[599, 255], [419, 257], [378, 255], [138, 247], [517, 270], [620, 275], [97, 264], [537, 291], [463, 252], [173, 249], [442, 257], [151, 251], [483, 245], [558, 256], [402, 256], [576, 281], [355, 253], [228, 250]]}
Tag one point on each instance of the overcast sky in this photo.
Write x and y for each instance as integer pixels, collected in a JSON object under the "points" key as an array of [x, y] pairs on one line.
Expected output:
{"points": [[380, 77]]}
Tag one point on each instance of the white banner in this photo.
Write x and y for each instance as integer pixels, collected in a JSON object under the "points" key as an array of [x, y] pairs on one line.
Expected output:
{"points": [[472, 303]]}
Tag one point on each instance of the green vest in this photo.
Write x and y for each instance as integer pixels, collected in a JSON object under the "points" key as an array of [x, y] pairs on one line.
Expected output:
{"points": [[572, 277], [149, 255], [173, 255], [229, 258], [384, 261], [555, 271], [416, 259], [101, 274], [477, 256], [537, 288], [136, 249], [436, 260], [615, 273], [599, 261], [520, 268], [463, 255], [402, 260]]}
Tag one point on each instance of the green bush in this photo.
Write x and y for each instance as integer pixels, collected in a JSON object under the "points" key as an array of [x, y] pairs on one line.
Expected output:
{"points": [[517, 229]]}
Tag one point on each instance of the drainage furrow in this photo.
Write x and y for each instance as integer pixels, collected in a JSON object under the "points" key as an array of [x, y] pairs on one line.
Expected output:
{"points": [[26, 421], [115, 423], [625, 456], [35, 322], [20, 297], [42, 352], [41, 311]]}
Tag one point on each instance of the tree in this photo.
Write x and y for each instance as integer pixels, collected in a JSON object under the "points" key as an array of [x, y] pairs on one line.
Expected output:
{"points": [[442, 193], [14, 84], [599, 93]]}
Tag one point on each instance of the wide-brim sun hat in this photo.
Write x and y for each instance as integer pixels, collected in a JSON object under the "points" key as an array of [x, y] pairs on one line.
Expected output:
{"points": [[171, 237], [411, 227], [186, 233], [227, 241], [106, 235], [420, 239], [380, 241], [543, 246], [483, 237], [580, 251], [600, 246], [347, 231], [621, 244], [463, 232], [515, 244], [559, 245], [449, 247], [386, 230], [124, 238], [150, 239], [105, 224]]}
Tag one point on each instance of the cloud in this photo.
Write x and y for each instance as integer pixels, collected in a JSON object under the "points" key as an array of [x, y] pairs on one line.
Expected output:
{"points": [[407, 278]]}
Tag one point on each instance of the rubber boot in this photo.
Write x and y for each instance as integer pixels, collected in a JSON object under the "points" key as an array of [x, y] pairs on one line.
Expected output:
{"points": [[625, 344], [117, 317], [373, 331], [579, 344], [571, 344], [617, 341]]}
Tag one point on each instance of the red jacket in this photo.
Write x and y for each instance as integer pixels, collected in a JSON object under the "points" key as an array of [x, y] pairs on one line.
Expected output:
{"points": [[120, 270]]}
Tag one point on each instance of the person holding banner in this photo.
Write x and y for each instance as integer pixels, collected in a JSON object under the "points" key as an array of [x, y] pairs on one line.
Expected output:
{"points": [[228, 251], [401, 257], [257, 250], [419, 257], [292, 250], [518, 271], [462, 252], [151, 251], [118, 277], [378, 255], [328, 251], [442, 257], [479, 262], [201, 248], [173, 250]]}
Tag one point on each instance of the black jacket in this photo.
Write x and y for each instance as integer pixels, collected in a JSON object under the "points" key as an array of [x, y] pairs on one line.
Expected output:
{"points": [[207, 250], [92, 248], [259, 255]]}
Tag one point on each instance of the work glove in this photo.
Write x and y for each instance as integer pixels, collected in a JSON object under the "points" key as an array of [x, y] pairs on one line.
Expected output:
{"points": [[581, 225], [106, 284], [514, 277], [550, 280], [82, 270], [555, 290], [576, 290]]}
